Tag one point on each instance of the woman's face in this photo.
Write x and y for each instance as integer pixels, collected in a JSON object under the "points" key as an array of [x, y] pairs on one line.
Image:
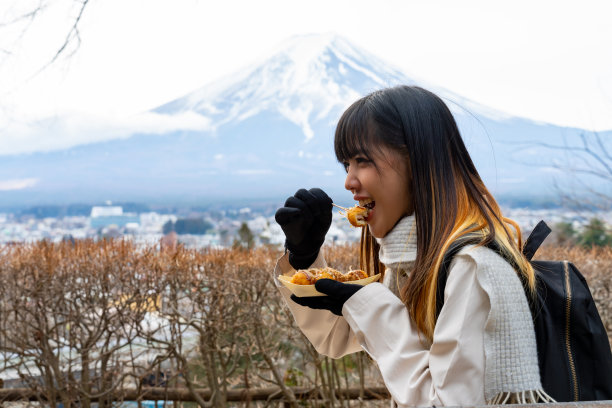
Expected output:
{"points": [[382, 182]]}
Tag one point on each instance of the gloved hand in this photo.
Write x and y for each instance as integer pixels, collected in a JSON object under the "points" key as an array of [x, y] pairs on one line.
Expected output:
{"points": [[337, 293], [305, 219]]}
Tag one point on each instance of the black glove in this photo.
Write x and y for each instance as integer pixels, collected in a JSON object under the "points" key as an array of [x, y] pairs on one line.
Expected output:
{"points": [[305, 219], [337, 293]]}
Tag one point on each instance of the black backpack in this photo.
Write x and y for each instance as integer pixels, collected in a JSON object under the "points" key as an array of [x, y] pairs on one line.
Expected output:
{"points": [[573, 348]]}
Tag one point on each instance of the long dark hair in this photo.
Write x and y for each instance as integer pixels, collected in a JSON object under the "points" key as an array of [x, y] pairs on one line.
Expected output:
{"points": [[450, 199]]}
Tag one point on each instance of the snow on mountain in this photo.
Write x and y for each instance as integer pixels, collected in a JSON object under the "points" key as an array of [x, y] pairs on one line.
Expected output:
{"points": [[269, 130], [306, 80]]}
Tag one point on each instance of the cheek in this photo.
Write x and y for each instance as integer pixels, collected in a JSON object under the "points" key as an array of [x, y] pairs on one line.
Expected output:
{"points": [[402, 197], [370, 180]]}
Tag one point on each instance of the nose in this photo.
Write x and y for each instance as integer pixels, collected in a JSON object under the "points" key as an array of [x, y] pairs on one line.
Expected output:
{"points": [[351, 182]]}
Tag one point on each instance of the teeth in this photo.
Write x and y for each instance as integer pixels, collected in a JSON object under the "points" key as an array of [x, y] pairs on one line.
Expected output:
{"points": [[365, 201]]}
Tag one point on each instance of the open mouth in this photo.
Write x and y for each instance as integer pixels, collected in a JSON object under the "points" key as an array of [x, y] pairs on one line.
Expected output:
{"points": [[357, 215], [367, 203]]}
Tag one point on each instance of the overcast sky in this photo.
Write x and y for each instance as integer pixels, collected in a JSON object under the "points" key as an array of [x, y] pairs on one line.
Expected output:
{"points": [[546, 60]]}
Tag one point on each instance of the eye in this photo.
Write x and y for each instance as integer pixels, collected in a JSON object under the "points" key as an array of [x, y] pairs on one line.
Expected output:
{"points": [[362, 160], [346, 166]]}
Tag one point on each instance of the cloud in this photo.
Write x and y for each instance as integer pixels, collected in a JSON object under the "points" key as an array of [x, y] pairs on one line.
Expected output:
{"points": [[17, 184], [150, 122], [26, 135]]}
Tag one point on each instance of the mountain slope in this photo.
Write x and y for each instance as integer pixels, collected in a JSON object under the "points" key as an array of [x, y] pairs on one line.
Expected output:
{"points": [[271, 132], [307, 80]]}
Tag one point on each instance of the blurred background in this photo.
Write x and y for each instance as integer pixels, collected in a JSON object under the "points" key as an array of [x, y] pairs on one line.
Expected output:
{"points": [[194, 120]]}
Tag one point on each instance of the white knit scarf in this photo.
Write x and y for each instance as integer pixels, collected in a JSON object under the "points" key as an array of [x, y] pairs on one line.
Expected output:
{"points": [[511, 363]]}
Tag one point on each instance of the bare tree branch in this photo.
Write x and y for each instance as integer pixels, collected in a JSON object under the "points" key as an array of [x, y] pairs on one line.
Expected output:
{"points": [[72, 38], [587, 172], [72, 34], [29, 16], [594, 155]]}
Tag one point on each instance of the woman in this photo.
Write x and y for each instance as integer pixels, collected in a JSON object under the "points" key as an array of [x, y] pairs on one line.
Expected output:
{"points": [[406, 161]]}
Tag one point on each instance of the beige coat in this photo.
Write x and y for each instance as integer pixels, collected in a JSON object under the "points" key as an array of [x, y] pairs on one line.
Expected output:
{"points": [[450, 371]]}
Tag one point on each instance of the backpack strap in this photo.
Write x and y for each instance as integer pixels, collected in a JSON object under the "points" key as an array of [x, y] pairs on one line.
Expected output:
{"points": [[537, 236], [454, 248]]}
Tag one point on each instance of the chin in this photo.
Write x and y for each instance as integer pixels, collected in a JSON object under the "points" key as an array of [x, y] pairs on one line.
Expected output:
{"points": [[376, 233]]}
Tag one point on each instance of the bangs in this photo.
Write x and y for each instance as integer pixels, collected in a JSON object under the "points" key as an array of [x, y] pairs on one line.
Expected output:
{"points": [[355, 133]]}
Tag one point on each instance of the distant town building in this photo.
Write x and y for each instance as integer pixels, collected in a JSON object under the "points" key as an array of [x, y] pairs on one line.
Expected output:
{"points": [[104, 216], [106, 211]]}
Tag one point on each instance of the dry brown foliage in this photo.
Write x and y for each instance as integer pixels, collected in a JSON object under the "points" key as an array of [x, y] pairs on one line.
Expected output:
{"points": [[79, 321]]}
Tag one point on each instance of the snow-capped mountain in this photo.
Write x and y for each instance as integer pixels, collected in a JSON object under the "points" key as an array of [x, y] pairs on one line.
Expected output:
{"points": [[269, 131], [306, 81]]}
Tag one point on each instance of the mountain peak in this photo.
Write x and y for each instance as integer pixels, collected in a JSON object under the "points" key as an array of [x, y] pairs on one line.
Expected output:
{"points": [[304, 48], [261, 117], [305, 79]]}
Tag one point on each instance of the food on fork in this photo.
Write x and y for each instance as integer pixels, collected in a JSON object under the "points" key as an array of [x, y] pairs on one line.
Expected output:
{"points": [[310, 276], [358, 214]]}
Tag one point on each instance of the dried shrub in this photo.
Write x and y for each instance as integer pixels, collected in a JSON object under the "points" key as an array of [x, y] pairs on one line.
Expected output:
{"points": [[342, 257], [79, 321], [71, 316]]}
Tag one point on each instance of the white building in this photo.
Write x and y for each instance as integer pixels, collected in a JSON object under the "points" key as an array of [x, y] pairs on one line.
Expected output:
{"points": [[106, 211]]}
